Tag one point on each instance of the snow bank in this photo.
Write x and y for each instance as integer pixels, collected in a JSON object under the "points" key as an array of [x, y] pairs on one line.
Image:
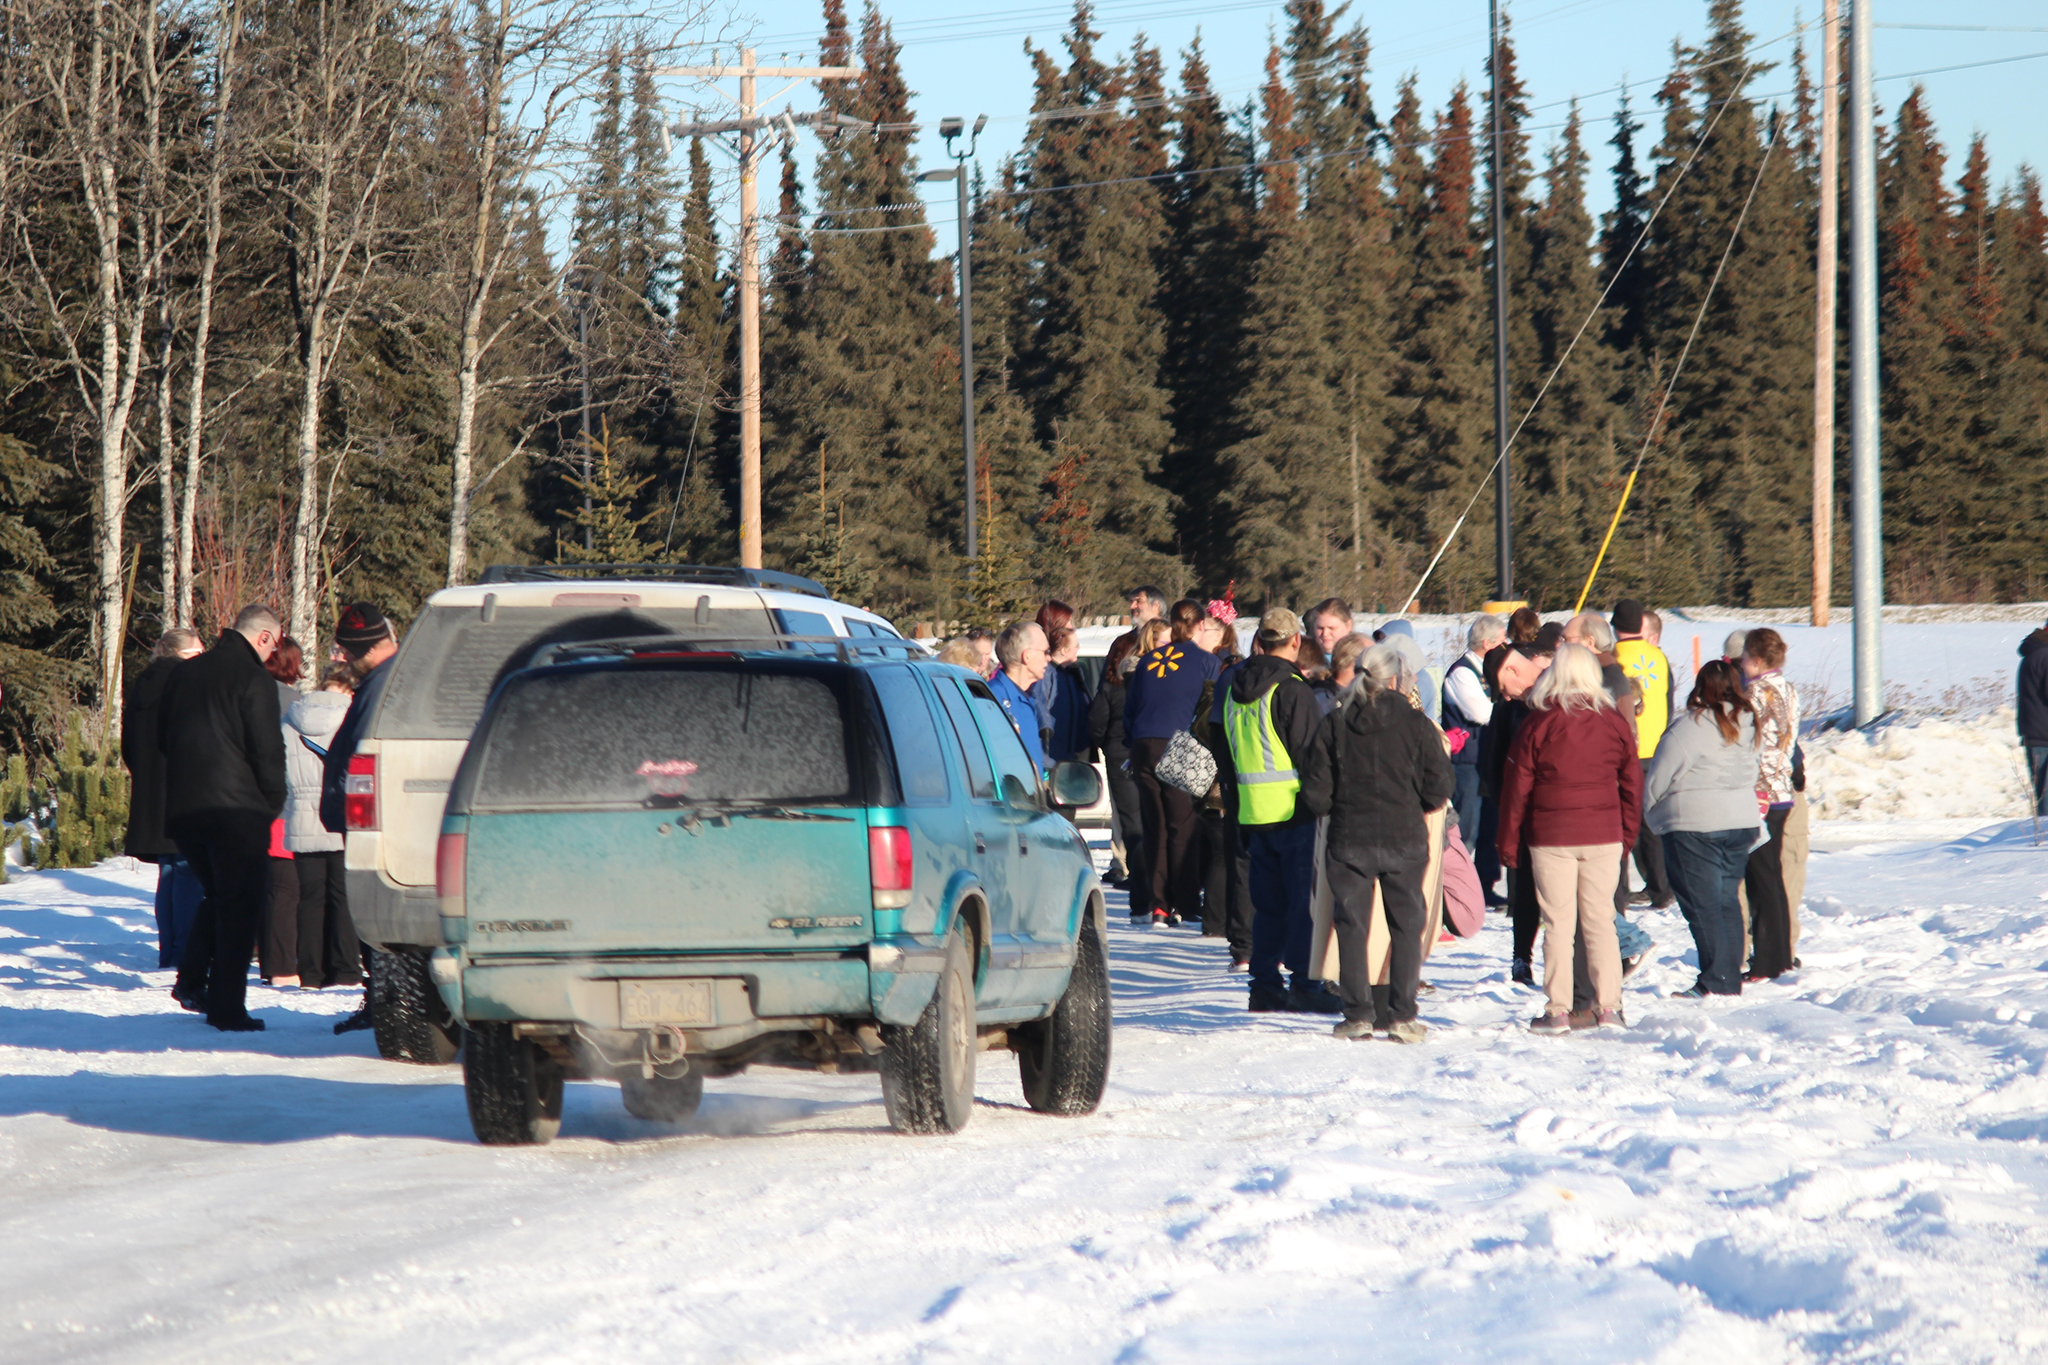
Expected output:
{"points": [[1926, 769], [1937, 660]]}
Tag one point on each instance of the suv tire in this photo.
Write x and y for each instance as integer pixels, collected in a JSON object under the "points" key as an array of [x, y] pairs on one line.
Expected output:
{"points": [[658, 1099], [514, 1089], [928, 1067], [410, 1020], [1064, 1060]]}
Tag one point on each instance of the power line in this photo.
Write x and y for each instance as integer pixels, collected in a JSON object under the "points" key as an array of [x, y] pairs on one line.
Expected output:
{"points": [[1961, 28], [1577, 337], [1664, 402]]}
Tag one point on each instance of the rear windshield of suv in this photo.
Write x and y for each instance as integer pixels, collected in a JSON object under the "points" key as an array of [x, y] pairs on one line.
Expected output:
{"points": [[453, 658], [655, 736]]}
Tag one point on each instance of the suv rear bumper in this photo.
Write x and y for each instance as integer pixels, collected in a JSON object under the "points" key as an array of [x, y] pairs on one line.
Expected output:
{"points": [[746, 989], [390, 916]]}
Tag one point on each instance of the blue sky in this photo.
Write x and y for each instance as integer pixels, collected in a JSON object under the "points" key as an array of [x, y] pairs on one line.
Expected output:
{"points": [[969, 59]]}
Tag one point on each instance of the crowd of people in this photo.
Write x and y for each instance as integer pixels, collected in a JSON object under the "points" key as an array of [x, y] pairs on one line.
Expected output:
{"points": [[234, 782], [1331, 803]]}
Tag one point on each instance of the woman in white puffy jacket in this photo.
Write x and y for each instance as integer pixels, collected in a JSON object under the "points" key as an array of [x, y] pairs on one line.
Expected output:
{"points": [[328, 952]]}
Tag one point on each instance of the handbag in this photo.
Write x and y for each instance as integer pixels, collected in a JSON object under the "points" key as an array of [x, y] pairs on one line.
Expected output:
{"points": [[1187, 765]]}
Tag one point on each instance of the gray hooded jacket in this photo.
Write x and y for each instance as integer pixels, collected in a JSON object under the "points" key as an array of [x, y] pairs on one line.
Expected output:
{"points": [[1699, 782]]}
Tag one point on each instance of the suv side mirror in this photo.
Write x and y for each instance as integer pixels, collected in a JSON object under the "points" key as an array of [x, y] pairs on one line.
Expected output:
{"points": [[1075, 785]]}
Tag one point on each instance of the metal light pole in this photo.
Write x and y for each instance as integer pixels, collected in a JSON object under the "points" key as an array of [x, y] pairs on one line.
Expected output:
{"points": [[1866, 516], [950, 129], [1503, 535]]}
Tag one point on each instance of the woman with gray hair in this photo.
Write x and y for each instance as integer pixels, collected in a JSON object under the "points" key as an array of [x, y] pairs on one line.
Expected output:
{"points": [[1574, 785], [1376, 769]]}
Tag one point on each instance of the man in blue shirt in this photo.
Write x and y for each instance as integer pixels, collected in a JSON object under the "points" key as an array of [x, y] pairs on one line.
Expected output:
{"points": [[1021, 652]]}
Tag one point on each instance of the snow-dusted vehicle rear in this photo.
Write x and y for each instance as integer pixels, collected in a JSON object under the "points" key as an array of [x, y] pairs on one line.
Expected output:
{"points": [[666, 860]]}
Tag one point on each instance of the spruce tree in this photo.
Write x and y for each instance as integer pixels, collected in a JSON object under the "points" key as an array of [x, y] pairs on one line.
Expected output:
{"points": [[1921, 307], [1622, 270], [869, 374], [1519, 225], [1741, 414], [1202, 302], [1011, 465], [1354, 215], [1442, 445], [1565, 453], [2006, 355], [1097, 336], [609, 494], [1281, 496]]}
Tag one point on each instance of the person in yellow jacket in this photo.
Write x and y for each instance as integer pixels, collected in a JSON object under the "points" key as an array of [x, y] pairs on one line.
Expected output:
{"points": [[1650, 670], [1270, 716]]}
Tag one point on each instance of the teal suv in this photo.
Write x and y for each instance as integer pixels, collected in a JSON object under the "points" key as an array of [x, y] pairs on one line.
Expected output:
{"points": [[667, 859]]}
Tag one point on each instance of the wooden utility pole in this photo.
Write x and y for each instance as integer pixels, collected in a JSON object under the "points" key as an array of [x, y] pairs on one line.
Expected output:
{"points": [[1824, 312], [749, 126]]}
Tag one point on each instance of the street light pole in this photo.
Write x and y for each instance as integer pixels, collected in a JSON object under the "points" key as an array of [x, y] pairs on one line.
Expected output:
{"points": [[950, 129], [1866, 514], [1503, 534]]}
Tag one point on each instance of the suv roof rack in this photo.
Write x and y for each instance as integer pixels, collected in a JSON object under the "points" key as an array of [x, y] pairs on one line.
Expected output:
{"points": [[847, 647], [724, 575]]}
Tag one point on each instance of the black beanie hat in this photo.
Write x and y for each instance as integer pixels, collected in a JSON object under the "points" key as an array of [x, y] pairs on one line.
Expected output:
{"points": [[360, 628], [1628, 617]]}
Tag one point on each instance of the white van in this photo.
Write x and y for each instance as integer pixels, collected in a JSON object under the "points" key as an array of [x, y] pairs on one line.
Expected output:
{"points": [[460, 646]]}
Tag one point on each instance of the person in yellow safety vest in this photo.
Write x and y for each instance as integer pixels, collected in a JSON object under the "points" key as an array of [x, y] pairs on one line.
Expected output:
{"points": [[1650, 670], [1270, 716]]}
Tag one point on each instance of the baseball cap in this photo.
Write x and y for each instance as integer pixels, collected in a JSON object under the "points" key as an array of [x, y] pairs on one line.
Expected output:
{"points": [[1281, 622]]}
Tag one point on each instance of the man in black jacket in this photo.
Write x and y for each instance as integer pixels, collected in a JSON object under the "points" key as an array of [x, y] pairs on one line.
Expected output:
{"points": [[1270, 715], [224, 783], [2033, 713], [178, 892], [1377, 764]]}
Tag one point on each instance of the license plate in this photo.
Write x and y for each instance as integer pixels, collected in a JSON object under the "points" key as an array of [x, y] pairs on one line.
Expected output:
{"points": [[642, 1003]]}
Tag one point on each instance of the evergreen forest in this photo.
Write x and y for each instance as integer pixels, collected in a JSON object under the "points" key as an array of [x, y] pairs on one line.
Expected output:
{"points": [[305, 303]]}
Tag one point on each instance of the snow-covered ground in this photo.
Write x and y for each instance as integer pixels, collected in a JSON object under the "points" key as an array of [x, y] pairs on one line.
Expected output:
{"points": [[1847, 1165]]}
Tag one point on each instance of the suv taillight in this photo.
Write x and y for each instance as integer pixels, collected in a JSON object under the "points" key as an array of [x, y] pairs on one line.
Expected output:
{"points": [[449, 883], [359, 792], [889, 866]]}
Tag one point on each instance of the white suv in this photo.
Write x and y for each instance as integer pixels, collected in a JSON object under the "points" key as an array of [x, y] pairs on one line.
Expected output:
{"points": [[462, 644]]}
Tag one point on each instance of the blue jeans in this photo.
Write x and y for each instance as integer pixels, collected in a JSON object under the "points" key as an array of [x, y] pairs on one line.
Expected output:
{"points": [[1706, 868], [2037, 768], [1632, 940], [1283, 874], [1465, 800], [178, 894]]}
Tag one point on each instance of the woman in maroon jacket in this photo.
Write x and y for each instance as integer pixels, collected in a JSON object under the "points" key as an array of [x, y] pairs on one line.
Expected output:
{"points": [[1574, 786]]}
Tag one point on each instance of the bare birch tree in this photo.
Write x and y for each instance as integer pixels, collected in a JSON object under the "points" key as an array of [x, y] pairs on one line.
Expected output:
{"points": [[341, 103], [94, 71], [219, 154], [527, 67]]}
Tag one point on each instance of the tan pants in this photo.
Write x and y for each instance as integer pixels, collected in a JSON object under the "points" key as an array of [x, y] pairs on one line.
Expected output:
{"points": [[1575, 891], [1792, 854], [1792, 859]]}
